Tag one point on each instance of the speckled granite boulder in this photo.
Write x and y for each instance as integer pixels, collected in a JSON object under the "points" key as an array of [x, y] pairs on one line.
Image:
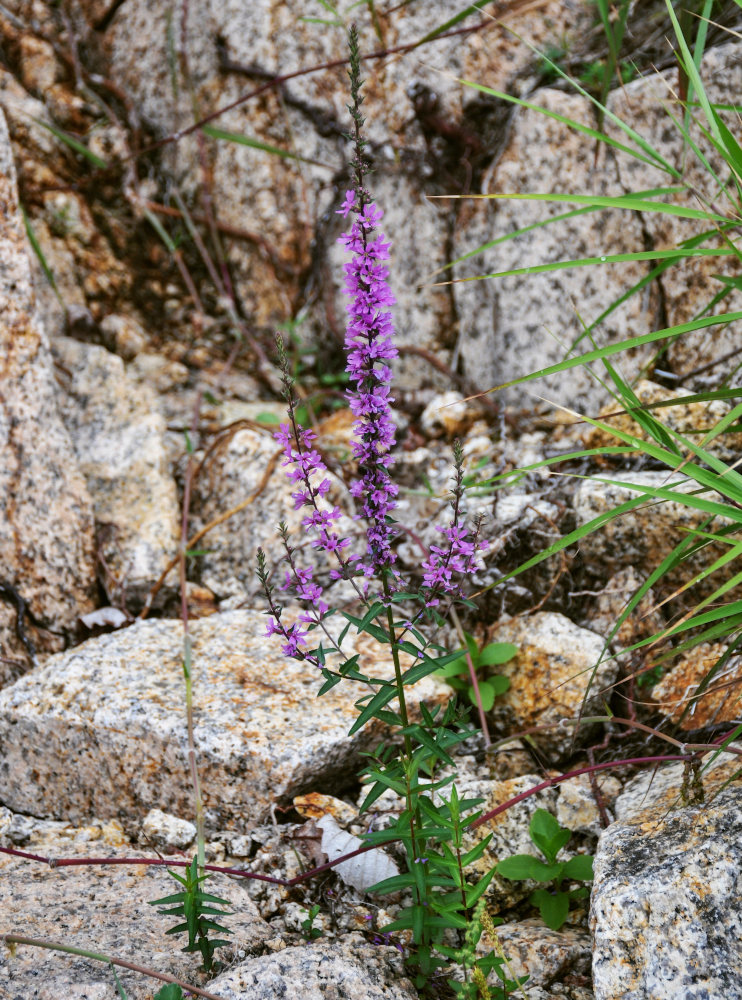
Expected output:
{"points": [[691, 284], [101, 730], [549, 675], [104, 909], [119, 442], [46, 524], [518, 324], [720, 701], [666, 906], [657, 792], [350, 968], [544, 955]]}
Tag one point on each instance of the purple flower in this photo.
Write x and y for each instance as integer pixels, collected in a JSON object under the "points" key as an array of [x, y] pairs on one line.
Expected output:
{"points": [[369, 346], [445, 565]]}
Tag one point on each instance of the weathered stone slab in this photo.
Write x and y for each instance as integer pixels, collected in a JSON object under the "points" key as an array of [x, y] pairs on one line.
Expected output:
{"points": [[100, 731], [667, 904], [350, 968], [46, 525], [118, 438], [550, 674], [103, 909]]}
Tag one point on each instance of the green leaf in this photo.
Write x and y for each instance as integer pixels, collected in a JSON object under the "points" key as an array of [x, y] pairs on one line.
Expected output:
{"points": [[379, 700], [580, 867], [524, 866], [486, 694], [453, 669], [496, 653], [547, 834], [553, 907], [171, 991]]}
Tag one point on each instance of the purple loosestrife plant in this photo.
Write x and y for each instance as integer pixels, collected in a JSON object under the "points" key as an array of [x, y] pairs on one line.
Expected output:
{"points": [[430, 826], [369, 348]]}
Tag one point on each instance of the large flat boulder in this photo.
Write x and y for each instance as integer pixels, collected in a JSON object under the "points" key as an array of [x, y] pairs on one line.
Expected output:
{"points": [[101, 729]]}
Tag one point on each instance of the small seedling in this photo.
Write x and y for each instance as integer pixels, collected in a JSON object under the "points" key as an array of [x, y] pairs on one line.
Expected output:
{"points": [[196, 907], [550, 838], [310, 932], [458, 676]]}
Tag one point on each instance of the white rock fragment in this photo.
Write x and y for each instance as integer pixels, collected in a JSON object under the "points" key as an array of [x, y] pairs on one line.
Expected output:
{"points": [[360, 872], [167, 833]]}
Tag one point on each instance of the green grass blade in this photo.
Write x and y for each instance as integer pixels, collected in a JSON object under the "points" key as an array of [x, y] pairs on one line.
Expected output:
{"points": [[628, 202], [689, 65], [652, 160], [654, 157], [246, 140], [616, 258], [547, 222], [73, 143], [453, 21], [38, 251], [669, 333]]}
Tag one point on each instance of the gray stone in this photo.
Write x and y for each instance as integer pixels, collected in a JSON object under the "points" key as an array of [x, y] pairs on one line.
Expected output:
{"points": [[549, 675], [657, 792], [167, 833], [46, 525], [515, 325], [118, 439], [101, 730], [688, 286], [352, 969], [104, 909], [577, 809], [288, 203], [124, 336], [666, 904], [544, 955]]}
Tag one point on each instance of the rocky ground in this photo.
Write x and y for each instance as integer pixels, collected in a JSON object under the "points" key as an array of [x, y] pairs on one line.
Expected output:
{"points": [[137, 380]]}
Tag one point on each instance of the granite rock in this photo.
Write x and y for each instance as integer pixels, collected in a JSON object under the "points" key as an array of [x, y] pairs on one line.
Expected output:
{"points": [[423, 128], [104, 909], [100, 731], [119, 442], [167, 833], [645, 535], [666, 903], [577, 809], [655, 793], [549, 675], [689, 285], [719, 702], [544, 955], [518, 324], [46, 525], [351, 968], [693, 421]]}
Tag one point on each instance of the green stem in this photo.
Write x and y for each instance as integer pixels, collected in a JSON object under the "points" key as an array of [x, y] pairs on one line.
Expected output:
{"points": [[13, 939]]}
